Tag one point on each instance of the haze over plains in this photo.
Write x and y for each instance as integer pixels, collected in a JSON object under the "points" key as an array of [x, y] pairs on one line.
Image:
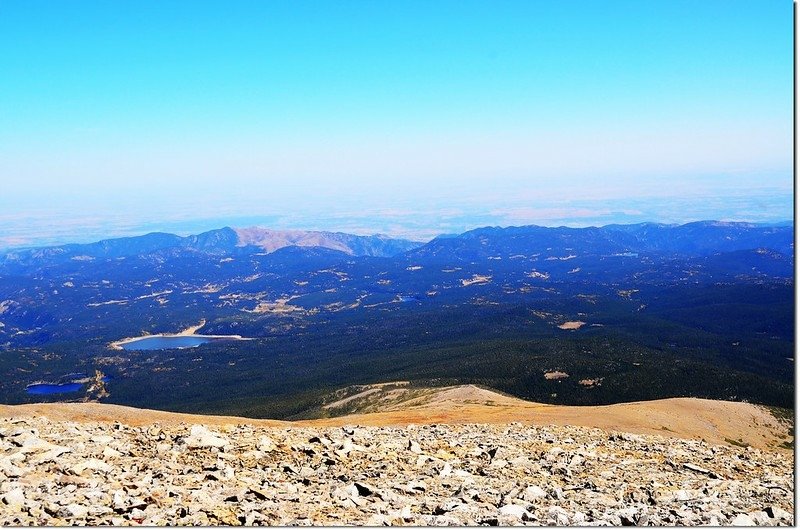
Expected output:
{"points": [[408, 119]]}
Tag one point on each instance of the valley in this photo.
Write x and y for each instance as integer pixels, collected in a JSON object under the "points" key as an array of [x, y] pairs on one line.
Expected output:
{"points": [[591, 316]]}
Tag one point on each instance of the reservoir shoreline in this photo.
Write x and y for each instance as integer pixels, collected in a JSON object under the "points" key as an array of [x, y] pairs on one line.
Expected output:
{"points": [[188, 332]]}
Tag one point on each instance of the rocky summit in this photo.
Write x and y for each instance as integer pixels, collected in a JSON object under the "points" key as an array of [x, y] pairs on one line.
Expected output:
{"points": [[101, 473]]}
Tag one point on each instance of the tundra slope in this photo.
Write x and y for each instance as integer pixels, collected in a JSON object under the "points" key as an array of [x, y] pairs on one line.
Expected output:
{"points": [[160, 468]]}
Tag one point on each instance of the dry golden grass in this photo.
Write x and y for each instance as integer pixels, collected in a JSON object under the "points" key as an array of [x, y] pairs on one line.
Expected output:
{"points": [[717, 422]]}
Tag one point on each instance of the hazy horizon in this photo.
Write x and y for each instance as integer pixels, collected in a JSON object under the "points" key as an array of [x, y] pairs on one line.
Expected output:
{"points": [[194, 227], [410, 119]]}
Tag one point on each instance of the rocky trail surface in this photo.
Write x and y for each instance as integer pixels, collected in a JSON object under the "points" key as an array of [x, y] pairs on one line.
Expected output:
{"points": [[66, 472]]}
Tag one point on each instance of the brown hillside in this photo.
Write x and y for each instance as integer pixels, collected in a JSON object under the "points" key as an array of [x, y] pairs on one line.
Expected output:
{"points": [[717, 422]]}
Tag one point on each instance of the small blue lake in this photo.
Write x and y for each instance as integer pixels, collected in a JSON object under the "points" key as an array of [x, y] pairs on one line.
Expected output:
{"points": [[166, 343], [44, 389], [48, 388]]}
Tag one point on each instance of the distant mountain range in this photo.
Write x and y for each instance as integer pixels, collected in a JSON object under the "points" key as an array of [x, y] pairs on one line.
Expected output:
{"points": [[701, 238], [223, 241], [693, 239]]}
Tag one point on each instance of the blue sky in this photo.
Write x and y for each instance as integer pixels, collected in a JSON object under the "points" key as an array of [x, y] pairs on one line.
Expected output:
{"points": [[382, 115]]}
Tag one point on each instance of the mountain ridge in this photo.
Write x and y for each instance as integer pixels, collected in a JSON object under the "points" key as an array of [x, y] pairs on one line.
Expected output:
{"points": [[221, 241], [695, 238], [399, 404]]}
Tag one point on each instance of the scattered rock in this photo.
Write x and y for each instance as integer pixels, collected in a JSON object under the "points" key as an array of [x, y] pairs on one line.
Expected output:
{"points": [[65, 473]]}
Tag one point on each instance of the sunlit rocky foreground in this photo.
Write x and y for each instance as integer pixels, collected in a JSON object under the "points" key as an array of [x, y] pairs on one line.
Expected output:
{"points": [[64, 473]]}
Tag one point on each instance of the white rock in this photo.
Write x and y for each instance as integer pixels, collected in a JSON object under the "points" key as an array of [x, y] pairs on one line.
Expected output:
{"points": [[30, 443], [696, 468], [376, 520], [533, 492], [514, 510], [555, 451], [99, 510], [265, 444], [14, 498], [559, 515], [683, 495], [414, 447], [73, 510], [119, 500], [498, 463], [520, 462], [742, 520], [629, 516], [760, 518], [92, 464], [111, 453], [51, 455], [8, 469], [200, 437]]}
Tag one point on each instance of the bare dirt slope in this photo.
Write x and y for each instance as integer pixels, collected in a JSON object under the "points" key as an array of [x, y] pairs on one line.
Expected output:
{"points": [[102, 412], [717, 422]]}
